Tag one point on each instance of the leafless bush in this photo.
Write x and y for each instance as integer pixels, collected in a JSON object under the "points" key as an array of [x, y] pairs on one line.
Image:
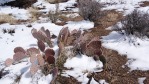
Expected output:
{"points": [[136, 24], [53, 16], [89, 9], [9, 31]]}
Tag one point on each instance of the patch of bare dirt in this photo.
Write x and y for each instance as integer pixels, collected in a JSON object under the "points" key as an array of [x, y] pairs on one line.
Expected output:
{"points": [[115, 71], [66, 80], [144, 4]]}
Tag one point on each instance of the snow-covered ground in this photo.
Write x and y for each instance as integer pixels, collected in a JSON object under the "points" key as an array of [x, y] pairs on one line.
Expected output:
{"points": [[5, 1], [23, 38], [138, 54], [136, 49]]}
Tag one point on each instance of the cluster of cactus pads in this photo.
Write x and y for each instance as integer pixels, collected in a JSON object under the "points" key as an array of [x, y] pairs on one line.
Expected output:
{"points": [[42, 35], [70, 44], [80, 43], [40, 58]]}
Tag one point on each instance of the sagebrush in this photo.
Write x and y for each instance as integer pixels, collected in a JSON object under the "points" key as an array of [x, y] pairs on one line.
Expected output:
{"points": [[90, 9], [135, 24]]}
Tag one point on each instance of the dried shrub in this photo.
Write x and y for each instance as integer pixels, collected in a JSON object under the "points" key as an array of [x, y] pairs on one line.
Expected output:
{"points": [[19, 49], [19, 56], [54, 75], [8, 62], [4, 31], [89, 9], [53, 36], [61, 47], [9, 31], [41, 45], [47, 68], [35, 14], [5, 18], [3, 72], [53, 16], [136, 24], [61, 60]]}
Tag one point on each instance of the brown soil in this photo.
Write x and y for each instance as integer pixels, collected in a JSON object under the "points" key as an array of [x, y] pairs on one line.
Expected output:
{"points": [[66, 80], [144, 3], [115, 71]]}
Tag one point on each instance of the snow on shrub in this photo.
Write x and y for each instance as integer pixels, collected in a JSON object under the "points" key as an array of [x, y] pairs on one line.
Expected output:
{"points": [[136, 24], [89, 9]]}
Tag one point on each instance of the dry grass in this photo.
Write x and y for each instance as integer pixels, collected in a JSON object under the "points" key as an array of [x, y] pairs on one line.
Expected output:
{"points": [[110, 18], [35, 14], [5, 18], [51, 1]]}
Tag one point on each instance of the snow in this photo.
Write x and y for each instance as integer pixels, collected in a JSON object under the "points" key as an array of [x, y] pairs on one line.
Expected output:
{"points": [[134, 48], [103, 82], [81, 65], [5, 1], [17, 13], [22, 37], [52, 7], [124, 6], [140, 80]]}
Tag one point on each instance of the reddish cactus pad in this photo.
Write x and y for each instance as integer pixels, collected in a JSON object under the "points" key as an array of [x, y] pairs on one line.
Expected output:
{"points": [[51, 60], [32, 51], [19, 49], [33, 58], [41, 45], [33, 69], [40, 60], [19, 56], [9, 62], [49, 52], [48, 34]]}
